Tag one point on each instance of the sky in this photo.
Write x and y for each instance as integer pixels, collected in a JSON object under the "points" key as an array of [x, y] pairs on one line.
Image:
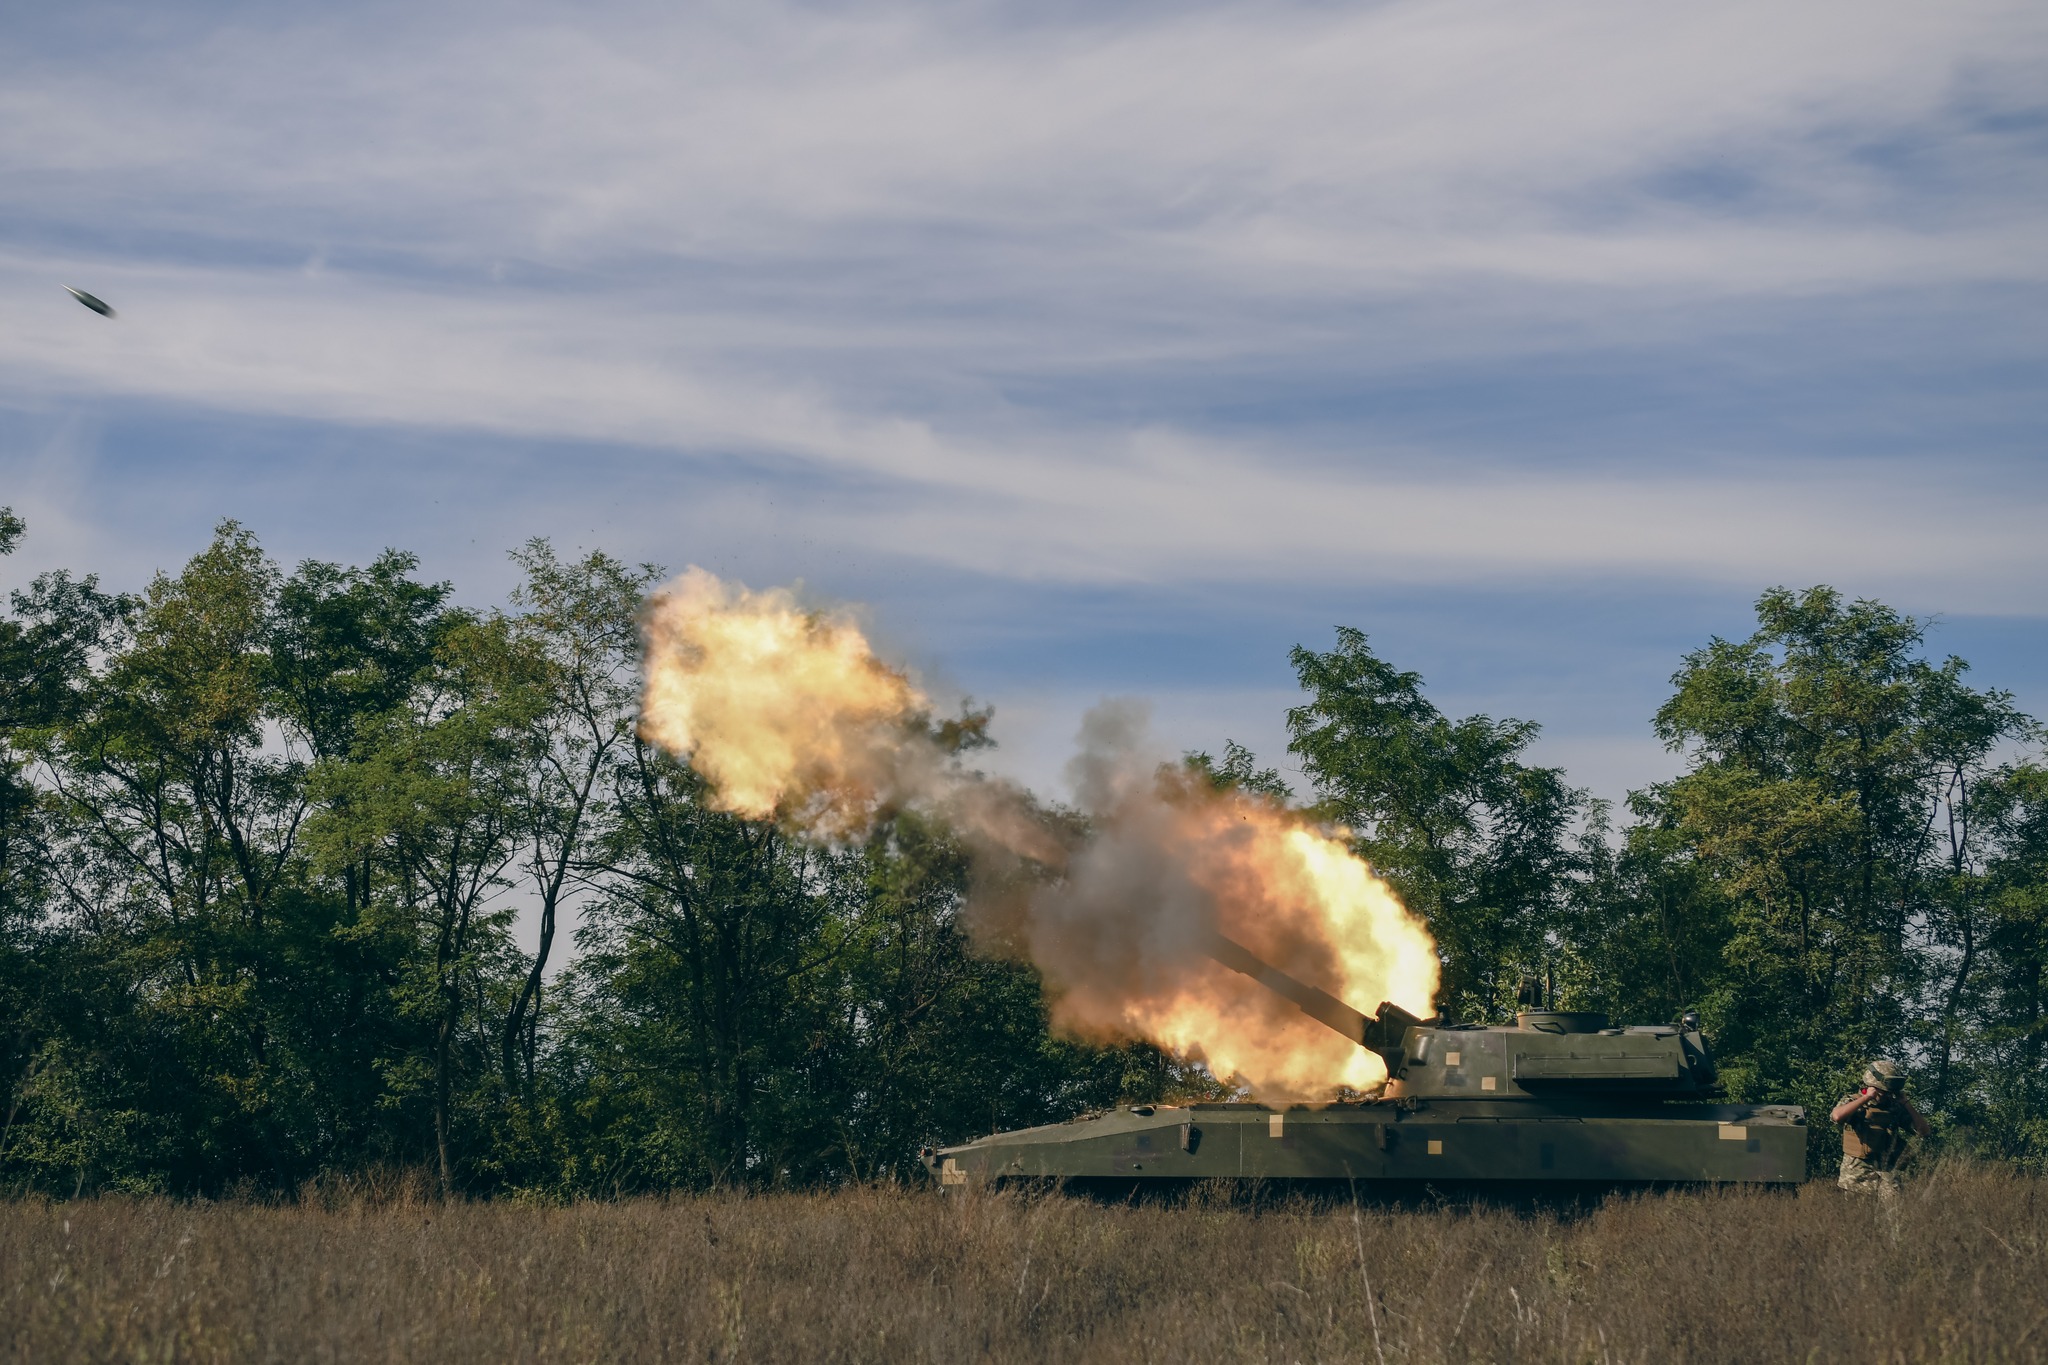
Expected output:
{"points": [[1097, 350]]}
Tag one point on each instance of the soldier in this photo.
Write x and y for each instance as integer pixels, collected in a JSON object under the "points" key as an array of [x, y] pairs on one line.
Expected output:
{"points": [[1875, 1123]]}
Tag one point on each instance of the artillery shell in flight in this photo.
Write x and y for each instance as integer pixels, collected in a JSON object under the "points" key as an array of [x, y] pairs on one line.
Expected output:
{"points": [[97, 305]]}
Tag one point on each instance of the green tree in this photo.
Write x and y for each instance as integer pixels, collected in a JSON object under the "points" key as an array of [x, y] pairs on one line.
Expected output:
{"points": [[432, 801], [1645, 938], [186, 826], [1239, 771], [1998, 1091], [753, 1008], [348, 646], [222, 1015], [579, 624], [47, 645], [1826, 807], [715, 947], [1478, 842]]}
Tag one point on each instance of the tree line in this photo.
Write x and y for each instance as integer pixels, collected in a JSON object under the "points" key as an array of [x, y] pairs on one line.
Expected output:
{"points": [[264, 837]]}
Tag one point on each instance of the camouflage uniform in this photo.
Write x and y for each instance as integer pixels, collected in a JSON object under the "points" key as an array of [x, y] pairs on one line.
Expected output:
{"points": [[1873, 1145], [1859, 1175]]}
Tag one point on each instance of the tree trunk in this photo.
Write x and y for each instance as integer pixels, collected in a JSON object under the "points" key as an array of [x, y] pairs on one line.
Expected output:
{"points": [[441, 1088], [517, 1022]]}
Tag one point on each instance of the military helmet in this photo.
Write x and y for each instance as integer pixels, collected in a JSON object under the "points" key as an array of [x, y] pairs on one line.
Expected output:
{"points": [[1885, 1074]]}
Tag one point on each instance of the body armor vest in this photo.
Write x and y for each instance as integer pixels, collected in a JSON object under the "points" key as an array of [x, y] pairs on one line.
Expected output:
{"points": [[1877, 1133]]}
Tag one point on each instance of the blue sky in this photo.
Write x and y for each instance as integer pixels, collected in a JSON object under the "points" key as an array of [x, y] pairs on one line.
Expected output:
{"points": [[1100, 350]]}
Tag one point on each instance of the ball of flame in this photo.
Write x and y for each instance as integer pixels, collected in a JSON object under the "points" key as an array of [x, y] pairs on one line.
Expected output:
{"points": [[1128, 964], [787, 713], [775, 706]]}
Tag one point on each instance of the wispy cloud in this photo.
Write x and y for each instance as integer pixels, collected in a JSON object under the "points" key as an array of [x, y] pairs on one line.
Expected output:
{"points": [[1463, 292], [1001, 489]]}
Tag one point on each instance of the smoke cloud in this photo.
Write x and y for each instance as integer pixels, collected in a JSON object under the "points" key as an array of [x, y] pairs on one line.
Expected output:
{"points": [[788, 714]]}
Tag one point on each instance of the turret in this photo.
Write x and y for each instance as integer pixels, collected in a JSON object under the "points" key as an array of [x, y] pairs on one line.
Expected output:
{"points": [[1554, 1053], [1544, 1052]]}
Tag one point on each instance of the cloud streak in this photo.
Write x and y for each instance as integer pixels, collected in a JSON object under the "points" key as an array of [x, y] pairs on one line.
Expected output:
{"points": [[752, 130], [1455, 293]]}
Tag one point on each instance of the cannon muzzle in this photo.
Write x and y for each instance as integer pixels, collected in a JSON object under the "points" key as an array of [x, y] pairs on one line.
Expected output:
{"points": [[1381, 1033]]}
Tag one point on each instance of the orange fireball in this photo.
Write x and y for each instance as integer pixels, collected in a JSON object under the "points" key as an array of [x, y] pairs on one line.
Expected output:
{"points": [[782, 711], [1131, 959], [789, 714]]}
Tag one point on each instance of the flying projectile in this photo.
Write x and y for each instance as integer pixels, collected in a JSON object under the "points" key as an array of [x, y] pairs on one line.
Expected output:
{"points": [[97, 305]]}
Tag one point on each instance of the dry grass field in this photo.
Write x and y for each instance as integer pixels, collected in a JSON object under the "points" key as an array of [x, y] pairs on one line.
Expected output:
{"points": [[1958, 1272]]}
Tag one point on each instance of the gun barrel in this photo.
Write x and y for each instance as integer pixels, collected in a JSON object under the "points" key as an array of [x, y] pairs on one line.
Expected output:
{"points": [[1316, 1004]]}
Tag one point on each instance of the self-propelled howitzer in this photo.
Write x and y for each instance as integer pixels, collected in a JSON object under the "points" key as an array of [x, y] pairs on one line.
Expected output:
{"points": [[1554, 1097]]}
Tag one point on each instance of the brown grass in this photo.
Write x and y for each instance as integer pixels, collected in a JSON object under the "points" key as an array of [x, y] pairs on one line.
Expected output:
{"points": [[1959, 1272]]}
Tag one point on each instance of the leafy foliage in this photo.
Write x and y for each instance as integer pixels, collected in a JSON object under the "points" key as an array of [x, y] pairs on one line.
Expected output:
{"points": [[288, 860], [267, 839], [1477, 842]]}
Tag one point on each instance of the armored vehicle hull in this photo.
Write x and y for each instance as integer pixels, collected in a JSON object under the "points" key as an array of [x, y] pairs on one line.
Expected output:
{"points": [[1432, 1142], [1554, 1097]]}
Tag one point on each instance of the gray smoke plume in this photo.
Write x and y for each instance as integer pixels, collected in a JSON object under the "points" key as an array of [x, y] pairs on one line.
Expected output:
{"points": [[789, 715]]}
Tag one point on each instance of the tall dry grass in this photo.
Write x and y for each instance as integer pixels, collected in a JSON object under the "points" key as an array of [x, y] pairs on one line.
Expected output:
{"points": [[1957, 1272]]}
